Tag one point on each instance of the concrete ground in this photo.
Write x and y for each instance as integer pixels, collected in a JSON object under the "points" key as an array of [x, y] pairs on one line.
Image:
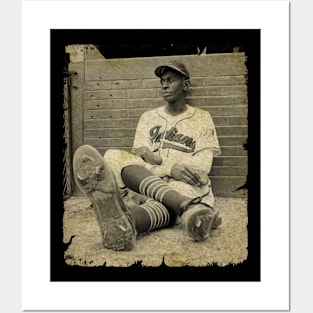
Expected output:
{"points": [[227, 245]]}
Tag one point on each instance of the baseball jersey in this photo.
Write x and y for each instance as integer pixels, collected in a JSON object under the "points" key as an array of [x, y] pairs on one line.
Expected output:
{"points": [[177, 138]]}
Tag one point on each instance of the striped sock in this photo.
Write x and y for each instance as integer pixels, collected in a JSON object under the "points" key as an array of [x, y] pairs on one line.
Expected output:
{"points": [[154, 187], [151, 215], [143, 181]]}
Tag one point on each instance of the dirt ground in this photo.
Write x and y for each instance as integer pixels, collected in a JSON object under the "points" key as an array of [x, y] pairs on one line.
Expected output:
{"points": [[227, 245]]}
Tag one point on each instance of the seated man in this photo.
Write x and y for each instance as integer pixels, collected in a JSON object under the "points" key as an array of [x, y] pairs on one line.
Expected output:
{"points": [[169, 165]]}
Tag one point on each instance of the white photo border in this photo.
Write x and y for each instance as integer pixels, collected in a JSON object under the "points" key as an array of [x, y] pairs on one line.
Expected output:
{"points": [[273, 292]]}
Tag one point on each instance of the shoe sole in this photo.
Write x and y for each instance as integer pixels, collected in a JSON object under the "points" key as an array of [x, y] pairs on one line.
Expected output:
{"points": [[199, 221], [96, 181]]}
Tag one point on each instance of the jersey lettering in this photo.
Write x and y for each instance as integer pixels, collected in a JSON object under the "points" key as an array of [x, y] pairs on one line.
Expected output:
{"points": [[172, 139]]}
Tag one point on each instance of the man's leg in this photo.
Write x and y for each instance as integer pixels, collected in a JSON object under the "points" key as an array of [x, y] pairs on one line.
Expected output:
{"points": [[118, 159], [197, 218], [119, 225], [151, 215]]}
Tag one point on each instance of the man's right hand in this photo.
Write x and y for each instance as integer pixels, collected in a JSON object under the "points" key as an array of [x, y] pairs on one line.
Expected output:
{"points": [[147, 155]]}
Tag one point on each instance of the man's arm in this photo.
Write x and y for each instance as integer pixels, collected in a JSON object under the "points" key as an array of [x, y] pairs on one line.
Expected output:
{"points": [[194, 172], [147, 155], [192, 169]]}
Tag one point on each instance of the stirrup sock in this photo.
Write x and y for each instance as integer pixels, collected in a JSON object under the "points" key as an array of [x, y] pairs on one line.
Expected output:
{"points": [[141, 180], [150, 215]]}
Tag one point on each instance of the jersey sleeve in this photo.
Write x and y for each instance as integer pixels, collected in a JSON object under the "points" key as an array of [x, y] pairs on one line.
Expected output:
{"points": [[207, 134], [142, 134]]}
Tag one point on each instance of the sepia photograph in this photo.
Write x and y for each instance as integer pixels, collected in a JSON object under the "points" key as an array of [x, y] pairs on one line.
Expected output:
{"points": [[155, 155]]}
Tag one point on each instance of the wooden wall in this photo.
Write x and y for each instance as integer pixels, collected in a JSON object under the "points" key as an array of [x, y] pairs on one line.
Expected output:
{"points": [[109, 96]]}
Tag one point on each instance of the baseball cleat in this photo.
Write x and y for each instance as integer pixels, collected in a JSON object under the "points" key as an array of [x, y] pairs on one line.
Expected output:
{"points": [[97, 182], [198, 220]]}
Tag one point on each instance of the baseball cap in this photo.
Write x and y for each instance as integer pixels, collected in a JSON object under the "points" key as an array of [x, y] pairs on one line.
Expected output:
{"points": [[172, 65]]}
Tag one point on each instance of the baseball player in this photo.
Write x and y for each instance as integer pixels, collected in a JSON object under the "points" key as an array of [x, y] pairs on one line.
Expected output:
{"points": [[164, 180]]}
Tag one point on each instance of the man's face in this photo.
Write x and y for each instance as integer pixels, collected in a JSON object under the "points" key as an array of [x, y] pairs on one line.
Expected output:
{"points": [[172, 85]]}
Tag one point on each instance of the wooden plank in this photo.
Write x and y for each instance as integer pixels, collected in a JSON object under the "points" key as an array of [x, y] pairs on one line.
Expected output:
{"points": [[123, 104], [212, 100], [92, 53], [205, 91], [242, 100], [230, 161], [234, 90], [232, 130], [211, 81], [109, 133], [234, 151], [111, 123], [117, 84], [219, 81], [229, 171], [230, 120], [143, 93], [229, 186], [104, 114], [218, 91], [226, 64], [105, 94], [232, 140], [223, 110]]}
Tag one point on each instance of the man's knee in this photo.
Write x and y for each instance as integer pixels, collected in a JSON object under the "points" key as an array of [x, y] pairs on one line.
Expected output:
{"points": [[113, 153], [121, 158]]}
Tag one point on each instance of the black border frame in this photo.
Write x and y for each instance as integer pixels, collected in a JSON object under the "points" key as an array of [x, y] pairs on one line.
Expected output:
{"points": [[249, 270]]}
